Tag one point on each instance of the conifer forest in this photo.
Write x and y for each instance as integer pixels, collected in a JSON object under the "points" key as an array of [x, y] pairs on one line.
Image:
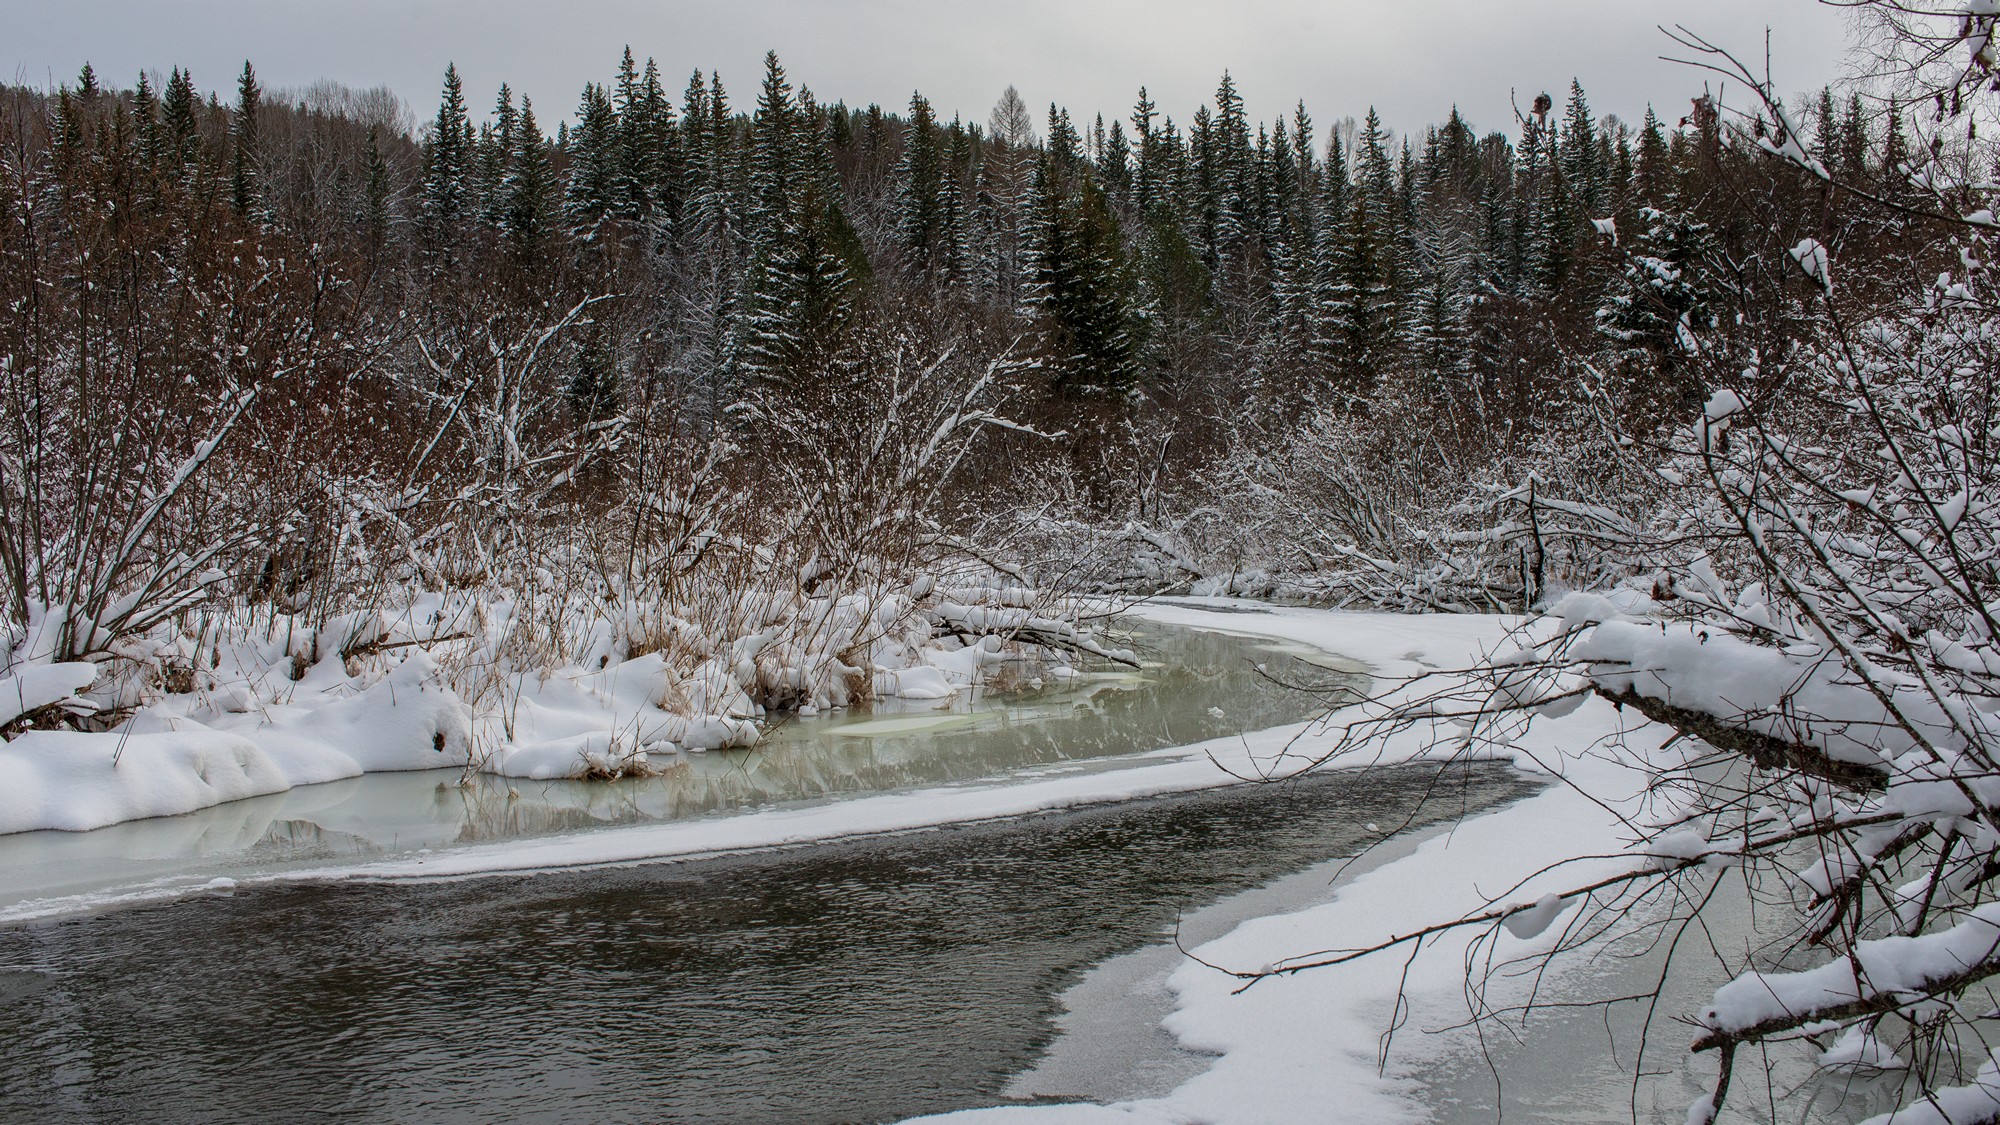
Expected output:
{"points": [[1488, 618]]}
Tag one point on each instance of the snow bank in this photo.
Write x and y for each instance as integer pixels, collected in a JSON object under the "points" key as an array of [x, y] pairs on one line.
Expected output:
{"points": [[75, 781], [468, 680], [165, 761]]}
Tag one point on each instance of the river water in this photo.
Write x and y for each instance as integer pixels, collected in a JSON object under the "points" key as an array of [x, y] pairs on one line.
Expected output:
{"points": [[856, 981], [848, 982]]}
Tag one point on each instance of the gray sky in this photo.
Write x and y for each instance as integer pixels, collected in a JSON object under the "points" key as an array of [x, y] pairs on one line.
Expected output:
{"points": [[1411, 58]]}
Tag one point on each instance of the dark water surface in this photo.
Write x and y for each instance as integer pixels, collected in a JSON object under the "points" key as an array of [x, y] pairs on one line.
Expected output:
{"points": [[853, 982]]}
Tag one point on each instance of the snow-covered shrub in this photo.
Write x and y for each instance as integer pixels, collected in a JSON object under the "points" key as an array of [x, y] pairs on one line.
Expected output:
{"points": [[1816, 627]]}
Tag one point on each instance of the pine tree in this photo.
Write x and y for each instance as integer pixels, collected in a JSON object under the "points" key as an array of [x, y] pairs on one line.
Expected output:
{"points": [[919, 181], [243, 187], [529, 191], [448, 159], [594, 161], [1077, 287]]}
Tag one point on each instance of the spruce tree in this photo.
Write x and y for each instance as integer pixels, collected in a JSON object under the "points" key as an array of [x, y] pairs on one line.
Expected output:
{"points": [[448, 157], [243, 188], [955, 235], [1582, 171], [529, 191], [594, 160], [1853, 163], [1650, 177], [494, 160], [774, 169], [1146, 170], [1078, 288], [919, 186], [182, 135]]}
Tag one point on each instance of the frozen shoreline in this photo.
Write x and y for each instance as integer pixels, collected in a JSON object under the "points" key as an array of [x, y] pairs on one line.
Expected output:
{"points": [[707, 803], [1306, 1047]]}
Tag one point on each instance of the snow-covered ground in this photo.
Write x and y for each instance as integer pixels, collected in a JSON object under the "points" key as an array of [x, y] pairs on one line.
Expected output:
{"points": [[1307, 1047]]}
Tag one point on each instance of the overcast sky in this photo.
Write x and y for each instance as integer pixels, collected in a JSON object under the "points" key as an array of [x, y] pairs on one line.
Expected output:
{"points": [[1411, 58]]}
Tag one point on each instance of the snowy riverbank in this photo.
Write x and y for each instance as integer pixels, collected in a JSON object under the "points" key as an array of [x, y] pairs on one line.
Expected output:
{"points": [[1307, 1047], [1289, 1046], [250, 708]]}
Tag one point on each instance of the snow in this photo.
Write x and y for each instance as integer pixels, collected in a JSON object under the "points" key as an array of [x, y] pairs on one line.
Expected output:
{"points": [[289, 704], [1956, 1105], [1857, 1049], [1887, 966], [31, 687], [1530, 922], [1811, 257], [1292, 1046], [1704, 669]]}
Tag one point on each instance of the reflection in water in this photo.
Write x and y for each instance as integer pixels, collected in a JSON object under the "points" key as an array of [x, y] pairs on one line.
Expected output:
{"points": [[850, 982], [1196, 686]]}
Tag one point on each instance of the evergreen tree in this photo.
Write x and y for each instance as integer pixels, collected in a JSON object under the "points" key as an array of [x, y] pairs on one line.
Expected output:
{"points": [[955, 234], [1826, 131], [1894, 172], [146, 124], [920, 178], [496, 148], [1146, 170], [1583, 172], [774, 158], [182, 135], [529, 191], [448, 158], [243, 188], [1662, 297], [1650, 179], [1853, 163], [1078, 289], [595, 160]]}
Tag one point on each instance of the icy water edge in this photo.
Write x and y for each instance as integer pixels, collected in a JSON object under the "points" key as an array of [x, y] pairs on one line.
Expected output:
{"points": [[855, 981]]}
